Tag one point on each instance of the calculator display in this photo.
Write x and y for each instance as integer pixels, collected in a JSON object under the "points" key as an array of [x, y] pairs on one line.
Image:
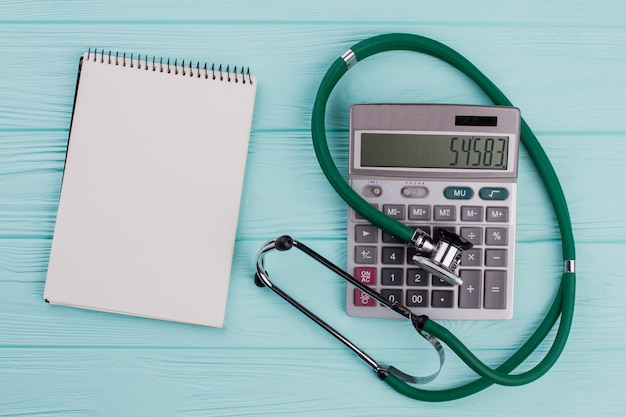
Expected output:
{"points": [[412, 150]]}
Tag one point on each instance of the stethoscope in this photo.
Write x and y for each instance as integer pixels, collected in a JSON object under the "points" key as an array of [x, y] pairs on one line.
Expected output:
{"points": [[441, 255]]}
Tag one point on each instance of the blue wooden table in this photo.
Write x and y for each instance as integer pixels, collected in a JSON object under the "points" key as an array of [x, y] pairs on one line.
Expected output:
{"points": [[563, 63]]}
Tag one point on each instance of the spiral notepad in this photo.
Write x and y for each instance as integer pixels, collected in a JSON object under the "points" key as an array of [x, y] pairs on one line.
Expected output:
{"points": [[151, 187]]}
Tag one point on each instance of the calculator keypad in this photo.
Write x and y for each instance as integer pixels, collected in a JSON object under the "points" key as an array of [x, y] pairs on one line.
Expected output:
{"points": [[481, 213]]}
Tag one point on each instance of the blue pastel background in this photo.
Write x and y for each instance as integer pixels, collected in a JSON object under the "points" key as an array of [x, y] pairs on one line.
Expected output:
{"points": [[563, 63]]}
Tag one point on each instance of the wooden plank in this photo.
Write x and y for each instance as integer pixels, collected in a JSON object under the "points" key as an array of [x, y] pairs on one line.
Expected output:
{"points": [[283, 382], [405, 12], [540, 75]]}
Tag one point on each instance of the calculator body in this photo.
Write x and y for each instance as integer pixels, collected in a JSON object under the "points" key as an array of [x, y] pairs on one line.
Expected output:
{"points": [[435, 166]]}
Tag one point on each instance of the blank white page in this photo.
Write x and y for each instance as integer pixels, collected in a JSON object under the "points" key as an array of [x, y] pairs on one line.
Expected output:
{"points": [[151, 189]]}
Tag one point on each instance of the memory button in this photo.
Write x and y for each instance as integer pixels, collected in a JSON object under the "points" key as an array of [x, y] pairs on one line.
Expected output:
{"points": [[471, 213], [395, 211], [498, 214], [445, 213]]}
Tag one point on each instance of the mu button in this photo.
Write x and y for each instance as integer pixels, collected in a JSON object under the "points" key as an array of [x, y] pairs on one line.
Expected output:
{"points": [[458, 193]]}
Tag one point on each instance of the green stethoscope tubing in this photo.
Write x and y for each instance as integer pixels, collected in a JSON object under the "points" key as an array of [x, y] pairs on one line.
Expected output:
{"points": [[563, 304]]}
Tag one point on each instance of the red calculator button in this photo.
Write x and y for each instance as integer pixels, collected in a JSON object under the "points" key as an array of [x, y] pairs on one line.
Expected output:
{"points": [[366, 276], [363, 300]]}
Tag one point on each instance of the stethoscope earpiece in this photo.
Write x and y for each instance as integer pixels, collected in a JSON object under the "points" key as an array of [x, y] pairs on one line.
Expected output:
{"points": [[261, 279]]}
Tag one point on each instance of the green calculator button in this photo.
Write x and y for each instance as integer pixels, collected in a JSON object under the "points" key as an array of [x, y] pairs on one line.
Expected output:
{"points": [[458, 193], [493, 193]]}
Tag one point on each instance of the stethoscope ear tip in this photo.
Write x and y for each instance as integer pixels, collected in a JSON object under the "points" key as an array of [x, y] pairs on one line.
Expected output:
{"points": [[257, 281], [283, 243]]}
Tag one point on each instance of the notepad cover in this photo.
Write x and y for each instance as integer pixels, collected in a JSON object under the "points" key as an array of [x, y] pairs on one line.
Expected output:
{"points": [[151, 189]]}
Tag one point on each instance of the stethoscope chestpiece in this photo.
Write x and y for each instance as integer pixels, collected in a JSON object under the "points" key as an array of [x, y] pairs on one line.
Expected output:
{"points": [[440, 258]]}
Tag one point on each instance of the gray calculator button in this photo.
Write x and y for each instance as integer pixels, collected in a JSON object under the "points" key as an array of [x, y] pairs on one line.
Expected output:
{"points": [[496, 257], [497, 236], [392, 276], [472, 257], [473, 234], [498, 214], [366, 233], [395, 211], [416, 277], [417, 298], [495, 289], [419, 212], [471, 213], [365, 254], [445, 213], [394, 296], [393, 255], [387, 238], [469, 292], [442, 298]]}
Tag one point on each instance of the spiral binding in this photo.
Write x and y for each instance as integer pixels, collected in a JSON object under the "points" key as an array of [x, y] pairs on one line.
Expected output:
{"points": [[189, 70]]}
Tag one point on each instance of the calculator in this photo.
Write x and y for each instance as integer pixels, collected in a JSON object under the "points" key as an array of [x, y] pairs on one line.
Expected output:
{"points": [[434, 166]]}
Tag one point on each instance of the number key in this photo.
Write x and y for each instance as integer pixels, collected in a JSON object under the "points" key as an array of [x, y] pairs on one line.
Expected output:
{"points": [[394, 296], [417, 298], [416, 277], [393, 255], [391, 276]]}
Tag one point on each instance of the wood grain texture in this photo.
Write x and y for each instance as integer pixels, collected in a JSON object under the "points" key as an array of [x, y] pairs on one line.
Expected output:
{"points": [[231, 382], [562, 62], [492, 12], [520, 61]]}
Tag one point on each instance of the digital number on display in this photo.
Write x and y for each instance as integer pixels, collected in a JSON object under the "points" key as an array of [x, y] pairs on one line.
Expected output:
{"points": [[407, 150]]}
